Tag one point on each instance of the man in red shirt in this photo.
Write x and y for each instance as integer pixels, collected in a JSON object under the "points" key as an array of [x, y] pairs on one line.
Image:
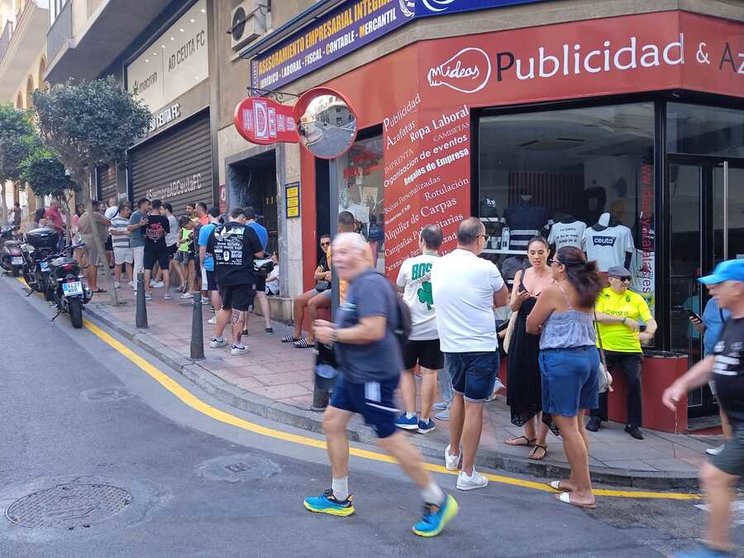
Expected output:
{"points": [[54, 217]]}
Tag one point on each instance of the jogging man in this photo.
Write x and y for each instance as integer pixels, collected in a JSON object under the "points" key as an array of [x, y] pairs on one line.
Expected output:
{"points": [[234, 246], [720, 475], [466, 289], [370, 361], [414, 281]]}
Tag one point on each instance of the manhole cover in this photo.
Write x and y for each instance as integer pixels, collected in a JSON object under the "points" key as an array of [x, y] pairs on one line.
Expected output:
{"points": [[106, 394], [239, 468], [68, 506]]}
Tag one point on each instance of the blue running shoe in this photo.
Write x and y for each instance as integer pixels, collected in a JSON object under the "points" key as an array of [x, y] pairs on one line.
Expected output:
{"points": [[426, 427], [407, 423], [435, 518], [327, 503], [702, 551]]}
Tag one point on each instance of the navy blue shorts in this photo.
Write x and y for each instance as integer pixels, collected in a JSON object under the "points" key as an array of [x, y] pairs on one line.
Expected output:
{"points": [[473, 374], [570, 380], [373, 400]]}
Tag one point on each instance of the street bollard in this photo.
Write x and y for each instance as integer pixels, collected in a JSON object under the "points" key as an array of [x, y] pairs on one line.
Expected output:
{"points": [[197, 329], [141, 304]]}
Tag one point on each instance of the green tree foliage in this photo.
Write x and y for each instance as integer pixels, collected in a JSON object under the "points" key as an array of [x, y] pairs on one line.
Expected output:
{"points": [[16, 142], [89, 123], [46, 175]]}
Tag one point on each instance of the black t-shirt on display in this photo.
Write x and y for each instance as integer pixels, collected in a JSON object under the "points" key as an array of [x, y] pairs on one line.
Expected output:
{"points": [[729, 369], [155, 232], [233, 246]]}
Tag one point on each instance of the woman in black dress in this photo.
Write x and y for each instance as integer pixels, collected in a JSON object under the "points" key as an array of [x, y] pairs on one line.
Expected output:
{"points": [[523, 394]]}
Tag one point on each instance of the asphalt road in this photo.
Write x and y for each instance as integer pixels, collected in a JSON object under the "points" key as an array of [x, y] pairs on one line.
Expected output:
{"points": [[97, 459]]}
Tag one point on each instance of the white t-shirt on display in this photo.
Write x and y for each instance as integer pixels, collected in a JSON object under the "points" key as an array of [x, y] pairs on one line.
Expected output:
{"points": [[463, 286], [111, 212], [609, 246], [415, 277], [567, 234]]}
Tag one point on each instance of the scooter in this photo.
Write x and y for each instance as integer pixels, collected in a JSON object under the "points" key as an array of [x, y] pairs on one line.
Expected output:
{"points": [[69, 288], [11, 256], [40, 244]]}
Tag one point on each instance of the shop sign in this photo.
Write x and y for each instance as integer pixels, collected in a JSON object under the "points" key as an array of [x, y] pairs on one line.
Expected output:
{"points": [[264, 121], [292, 198], [426, 118], [426, 8], [333, 36], [165, 117], [175, 61]]}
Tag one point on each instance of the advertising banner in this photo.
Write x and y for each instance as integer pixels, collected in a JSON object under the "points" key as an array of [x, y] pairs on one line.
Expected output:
{"points": [[344, 30], [424, 8], [265, 121]]}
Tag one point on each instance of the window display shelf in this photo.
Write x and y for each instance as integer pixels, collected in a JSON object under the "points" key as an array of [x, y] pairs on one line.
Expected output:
{"points": [[505, 252]]}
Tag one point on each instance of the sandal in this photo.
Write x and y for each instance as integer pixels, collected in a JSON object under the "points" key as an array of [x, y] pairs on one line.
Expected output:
{"points": [[533, 453], [289, 338], [516, 441], [556, 485], [302, 344], [99, 290], [565, 497]]}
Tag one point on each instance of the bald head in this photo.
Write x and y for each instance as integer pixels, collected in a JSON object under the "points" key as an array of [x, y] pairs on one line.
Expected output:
{"points": [[469, 235]]}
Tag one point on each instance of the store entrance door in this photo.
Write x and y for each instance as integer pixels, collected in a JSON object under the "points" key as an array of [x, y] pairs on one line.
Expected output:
{"points": [[707, 226]]}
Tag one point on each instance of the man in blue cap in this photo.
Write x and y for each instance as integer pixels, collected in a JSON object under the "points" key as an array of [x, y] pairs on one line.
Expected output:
{"points": [[720, 475]]}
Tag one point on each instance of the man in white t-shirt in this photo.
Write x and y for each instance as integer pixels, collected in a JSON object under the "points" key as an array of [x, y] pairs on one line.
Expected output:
{"points": [[466, 289], [414, 281]]}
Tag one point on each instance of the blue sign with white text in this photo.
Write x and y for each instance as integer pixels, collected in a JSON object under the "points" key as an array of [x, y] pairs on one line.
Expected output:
{"points": [[423, 8]]}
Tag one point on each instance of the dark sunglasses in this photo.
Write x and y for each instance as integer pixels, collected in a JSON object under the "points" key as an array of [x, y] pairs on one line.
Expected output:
{"points": [[551, 261], [325, 243], [623, 279]]}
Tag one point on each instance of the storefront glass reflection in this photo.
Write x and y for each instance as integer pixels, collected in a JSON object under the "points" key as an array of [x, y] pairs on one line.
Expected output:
{"points": [[702, 130], [361, 192], [580, 177]]}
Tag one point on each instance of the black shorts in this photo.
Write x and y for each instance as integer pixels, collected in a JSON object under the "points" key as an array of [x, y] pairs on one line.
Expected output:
{"points": [[260, 283], [426, 353], [109, 247], [172, 251], [237, 297], [161, 258]]}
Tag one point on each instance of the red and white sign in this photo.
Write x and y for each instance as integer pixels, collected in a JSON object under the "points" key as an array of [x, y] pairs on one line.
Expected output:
{"points": [[264, 121]]}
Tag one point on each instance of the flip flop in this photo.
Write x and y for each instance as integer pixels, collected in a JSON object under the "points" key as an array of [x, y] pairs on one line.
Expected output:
{"points": [[302, 344], [556, 485], [565, 497], [534, 449], [289, 338], [99, 290], [514, 441]]}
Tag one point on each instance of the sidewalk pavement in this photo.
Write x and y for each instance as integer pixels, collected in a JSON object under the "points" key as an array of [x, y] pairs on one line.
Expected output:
{"points": [[275, 380]]}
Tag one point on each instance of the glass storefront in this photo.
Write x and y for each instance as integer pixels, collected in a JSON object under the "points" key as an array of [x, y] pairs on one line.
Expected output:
{"points": [[361, 192], [581, 177]]}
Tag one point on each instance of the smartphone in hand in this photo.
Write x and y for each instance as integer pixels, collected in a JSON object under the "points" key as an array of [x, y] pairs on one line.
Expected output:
{"points": [[694, 317]]}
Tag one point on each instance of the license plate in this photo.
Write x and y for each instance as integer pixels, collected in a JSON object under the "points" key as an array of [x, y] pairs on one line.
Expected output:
{"points": [[72, 288], [44, 266], [17, 260]]}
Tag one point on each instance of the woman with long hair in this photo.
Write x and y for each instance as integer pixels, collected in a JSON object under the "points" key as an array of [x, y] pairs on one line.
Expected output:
{"points": [[524, 395], [569, 363]]}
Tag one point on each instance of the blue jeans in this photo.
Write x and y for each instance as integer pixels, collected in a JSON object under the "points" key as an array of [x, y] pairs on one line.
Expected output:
{"points": [[473, 374], [570, 380]]}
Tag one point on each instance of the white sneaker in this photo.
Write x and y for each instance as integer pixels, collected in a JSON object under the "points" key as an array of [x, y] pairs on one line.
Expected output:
{"points": [[238, 350], [715, 451], [187, 295], [131, 284], [117, 285], [156, 284], [468, 482], [167, 296], [451, 462], [217, 342], [212, 320]]}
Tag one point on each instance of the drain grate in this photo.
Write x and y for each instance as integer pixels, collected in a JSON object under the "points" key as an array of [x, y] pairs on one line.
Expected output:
{"points": [[68, 506]]}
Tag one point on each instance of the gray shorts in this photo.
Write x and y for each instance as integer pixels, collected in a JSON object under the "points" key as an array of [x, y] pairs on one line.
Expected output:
{"points": [[731, 459]]}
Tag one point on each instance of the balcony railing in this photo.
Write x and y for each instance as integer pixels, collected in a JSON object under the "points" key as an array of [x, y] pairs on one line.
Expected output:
{"points": [[5, 38], [60, 32]]}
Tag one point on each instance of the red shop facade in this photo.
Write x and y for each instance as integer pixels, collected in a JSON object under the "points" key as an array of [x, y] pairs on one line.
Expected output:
{"points": [[635, 121]]}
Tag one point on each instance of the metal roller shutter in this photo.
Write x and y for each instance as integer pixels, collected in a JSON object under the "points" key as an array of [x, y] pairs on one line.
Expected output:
{"points": [[175, 166], [106, 182]]}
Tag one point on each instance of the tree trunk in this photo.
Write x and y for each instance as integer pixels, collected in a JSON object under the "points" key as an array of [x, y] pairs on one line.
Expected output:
{"points": [[4, 216]]}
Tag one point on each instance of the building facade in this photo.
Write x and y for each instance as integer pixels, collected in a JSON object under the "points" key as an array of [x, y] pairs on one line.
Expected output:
{"points": [[23, 24], [617, 126]]}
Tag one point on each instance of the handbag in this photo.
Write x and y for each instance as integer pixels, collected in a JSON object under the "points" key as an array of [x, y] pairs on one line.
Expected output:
{"points": [[605, 378], [509, 331], [321, 286]]}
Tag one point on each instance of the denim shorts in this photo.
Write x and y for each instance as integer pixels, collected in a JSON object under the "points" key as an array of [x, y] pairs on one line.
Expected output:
{"points": [[375, 401], [473, 374], [570, 380]]}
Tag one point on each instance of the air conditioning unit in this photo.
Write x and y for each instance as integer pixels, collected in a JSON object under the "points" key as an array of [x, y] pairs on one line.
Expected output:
{"points": [[248, 21]]}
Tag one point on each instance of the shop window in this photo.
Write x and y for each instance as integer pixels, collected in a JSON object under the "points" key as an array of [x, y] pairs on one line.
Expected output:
{"points": [[701, 130], [580, 177], [361, 192]]}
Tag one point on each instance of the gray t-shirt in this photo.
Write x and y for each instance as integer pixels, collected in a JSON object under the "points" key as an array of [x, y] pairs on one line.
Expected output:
{"points": [[138, 237], [370, 294]]}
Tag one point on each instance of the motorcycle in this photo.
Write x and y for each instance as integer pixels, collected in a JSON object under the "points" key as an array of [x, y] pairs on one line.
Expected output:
{"points": [[69, 288], [11, 256], [40, 244]]}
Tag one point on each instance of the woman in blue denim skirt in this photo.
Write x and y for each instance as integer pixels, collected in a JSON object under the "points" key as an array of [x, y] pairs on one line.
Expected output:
{"points": [[569, 363]]}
